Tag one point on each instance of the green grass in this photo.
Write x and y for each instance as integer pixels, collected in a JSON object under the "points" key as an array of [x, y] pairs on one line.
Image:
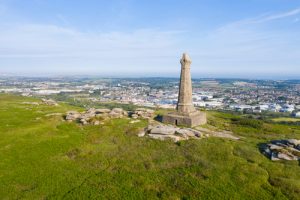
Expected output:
{"points": [[286, 119], [47, 158]]}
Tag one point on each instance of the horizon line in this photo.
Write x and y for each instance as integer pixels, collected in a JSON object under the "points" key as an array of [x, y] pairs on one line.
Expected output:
{"points": [[149, 77]]}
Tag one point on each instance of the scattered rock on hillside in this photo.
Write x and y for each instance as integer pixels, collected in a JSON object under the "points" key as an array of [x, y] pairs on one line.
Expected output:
{"points": [[141, 134], [72, 115], [117, 110], [143, 113], [164, 132], [294, 142], [134, 116], [117, 113], [84, 121], [96, 123], [49, 102], [92, 115], [186, 133], [154, 130], [282, 150], [221, 134], [102, 111], [89, 116]]}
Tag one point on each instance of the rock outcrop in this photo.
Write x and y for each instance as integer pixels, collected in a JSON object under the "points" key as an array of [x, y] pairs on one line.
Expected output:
{"points": [[143, 113], [92, 115], [72, 115], [164, 132], [220, 134], [50, 102], [282, 150], [117, 113], [102, 111], [154, 130]]}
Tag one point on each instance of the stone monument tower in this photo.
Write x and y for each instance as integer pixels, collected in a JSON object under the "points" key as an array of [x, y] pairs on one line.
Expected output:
{"points": [[186, 114]]}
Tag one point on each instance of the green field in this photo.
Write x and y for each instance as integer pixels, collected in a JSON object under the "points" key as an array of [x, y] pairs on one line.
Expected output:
{"points": [[44, 157], [286, 119]]}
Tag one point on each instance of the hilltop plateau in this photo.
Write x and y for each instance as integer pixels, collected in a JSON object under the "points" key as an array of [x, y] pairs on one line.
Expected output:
{"points": [[45, 157]]}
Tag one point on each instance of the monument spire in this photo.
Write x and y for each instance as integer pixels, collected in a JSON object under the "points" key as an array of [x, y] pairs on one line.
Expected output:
{"points": [[186, 114], [185, 101]]}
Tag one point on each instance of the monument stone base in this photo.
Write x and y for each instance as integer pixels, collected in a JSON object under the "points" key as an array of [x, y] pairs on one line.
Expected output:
{"points": [[190, 120]]}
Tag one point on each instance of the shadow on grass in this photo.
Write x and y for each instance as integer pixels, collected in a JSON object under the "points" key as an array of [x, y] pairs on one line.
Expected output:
{"points": [[158, 118], [263, 147]]}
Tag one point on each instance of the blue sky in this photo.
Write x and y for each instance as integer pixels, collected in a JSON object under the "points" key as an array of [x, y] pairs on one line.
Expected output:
{"points": [[233, 38]]}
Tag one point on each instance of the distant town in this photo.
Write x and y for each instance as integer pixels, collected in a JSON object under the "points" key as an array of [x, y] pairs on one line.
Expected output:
{"points": [[248, 96]]}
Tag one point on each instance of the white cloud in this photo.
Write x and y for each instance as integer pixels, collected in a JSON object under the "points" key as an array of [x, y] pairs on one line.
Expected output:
{"points": [[241, 47], [48, 40], [278, 16], [264, 18], [250, 46], [34, 47]]}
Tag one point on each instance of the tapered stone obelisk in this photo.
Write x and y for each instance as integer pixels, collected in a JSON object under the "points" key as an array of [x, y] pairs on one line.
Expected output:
{"points": [[186, 114], [185, 103]]}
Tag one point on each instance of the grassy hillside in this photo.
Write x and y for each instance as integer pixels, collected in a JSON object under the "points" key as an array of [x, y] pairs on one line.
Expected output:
{"points": [[44, 157], [286, 119]]}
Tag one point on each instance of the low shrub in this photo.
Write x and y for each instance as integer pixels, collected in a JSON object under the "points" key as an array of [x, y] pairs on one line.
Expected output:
{"points": [[253, 123]]}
